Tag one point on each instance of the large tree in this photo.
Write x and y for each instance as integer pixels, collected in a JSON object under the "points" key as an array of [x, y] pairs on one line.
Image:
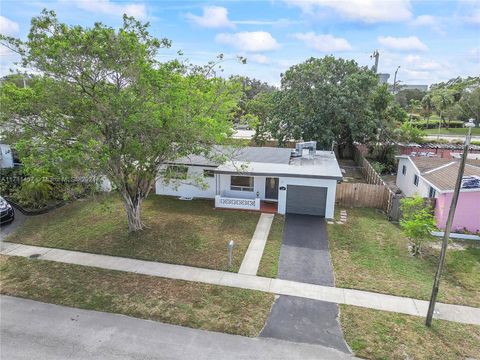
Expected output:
{"points": [[103, 101], [325, 100]]}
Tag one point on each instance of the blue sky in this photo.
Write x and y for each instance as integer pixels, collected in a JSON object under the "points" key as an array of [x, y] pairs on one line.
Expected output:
{"points": [[430, 40]]}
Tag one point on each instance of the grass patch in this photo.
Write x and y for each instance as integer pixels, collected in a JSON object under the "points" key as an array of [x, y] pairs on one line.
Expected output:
{"points": [[452, 131], [210, 307], [180, 232], [375, 334], [269, 263], [370, 253]]}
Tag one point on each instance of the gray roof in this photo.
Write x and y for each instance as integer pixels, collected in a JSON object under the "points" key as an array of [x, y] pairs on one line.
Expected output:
{"points": [[322, 165], [269, 155]]}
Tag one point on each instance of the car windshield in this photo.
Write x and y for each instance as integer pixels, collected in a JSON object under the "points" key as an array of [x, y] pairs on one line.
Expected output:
{"points": [[3, 203]]}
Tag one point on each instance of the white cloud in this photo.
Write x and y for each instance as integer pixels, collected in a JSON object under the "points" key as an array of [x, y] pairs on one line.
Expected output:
{"points": [[323, 42], [8, 27], [474, 18], [136, 10], [429, 21], [278, 22], [402, 43], [419, 63], [474, 55], [250, 41], [258, 58], [212, 17], [369, 11]]}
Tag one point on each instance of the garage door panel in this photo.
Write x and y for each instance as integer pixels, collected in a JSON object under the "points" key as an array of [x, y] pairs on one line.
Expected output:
{"points": [[307, 200]]}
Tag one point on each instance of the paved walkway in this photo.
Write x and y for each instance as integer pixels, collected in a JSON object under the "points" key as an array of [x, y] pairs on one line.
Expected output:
{"points": [[304, 257], [254, 253], [457, 313], [34, 330]]}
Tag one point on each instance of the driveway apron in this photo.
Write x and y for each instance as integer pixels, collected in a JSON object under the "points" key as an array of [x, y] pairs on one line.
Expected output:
{"points": [[305, 257]]}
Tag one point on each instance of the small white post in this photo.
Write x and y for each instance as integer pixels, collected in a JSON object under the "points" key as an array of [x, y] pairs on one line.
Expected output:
{"points": [[230, 250]]}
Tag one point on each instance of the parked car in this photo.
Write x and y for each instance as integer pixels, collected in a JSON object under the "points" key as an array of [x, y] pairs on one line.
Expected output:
{"points": [[7, 214]]}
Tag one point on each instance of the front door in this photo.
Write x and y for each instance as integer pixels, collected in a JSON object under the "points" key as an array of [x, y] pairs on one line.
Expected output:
{"points": [[271, 188]]}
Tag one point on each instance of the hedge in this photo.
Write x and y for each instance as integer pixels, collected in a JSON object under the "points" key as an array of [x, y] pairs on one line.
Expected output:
{"points": [[433, 124]]}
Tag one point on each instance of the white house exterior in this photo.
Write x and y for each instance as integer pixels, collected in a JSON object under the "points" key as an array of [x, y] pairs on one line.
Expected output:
{"points": [[255, 176], [407, 171], [431, 177]]}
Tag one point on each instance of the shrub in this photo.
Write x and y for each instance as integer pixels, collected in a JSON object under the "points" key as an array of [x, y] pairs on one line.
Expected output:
{"points": [[377, 166], [35, 193], [417, 222], [433, 124], [409, 133]]}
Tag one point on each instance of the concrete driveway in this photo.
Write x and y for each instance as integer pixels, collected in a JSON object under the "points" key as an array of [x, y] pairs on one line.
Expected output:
{"points": [[9, 228], [34, 330], [305, 257]]}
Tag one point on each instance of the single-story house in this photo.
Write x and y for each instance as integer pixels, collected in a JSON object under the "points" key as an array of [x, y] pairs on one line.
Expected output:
{"points": [[435, 178], [301, 180]]}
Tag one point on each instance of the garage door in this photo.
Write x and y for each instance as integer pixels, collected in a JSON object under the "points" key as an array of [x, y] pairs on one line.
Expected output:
{"points": [[307, 200]]}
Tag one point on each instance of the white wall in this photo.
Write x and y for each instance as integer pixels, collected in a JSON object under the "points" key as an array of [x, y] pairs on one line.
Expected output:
{"points": [[6, 156], [331, 186], [186, 189], [405, 182]]}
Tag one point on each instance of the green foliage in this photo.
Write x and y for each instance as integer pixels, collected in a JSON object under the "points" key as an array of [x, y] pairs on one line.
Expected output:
{"points": [[378, 166], [456, 99], [105, 105], [433, 124], [405, 97], [410, 133], [469, 105], [417, 221], [35, 193], [325, 100]]}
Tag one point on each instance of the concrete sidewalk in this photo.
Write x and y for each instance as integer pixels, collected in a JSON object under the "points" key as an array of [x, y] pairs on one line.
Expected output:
{"points": [[34, 330], [254, 253], [409, 306]]}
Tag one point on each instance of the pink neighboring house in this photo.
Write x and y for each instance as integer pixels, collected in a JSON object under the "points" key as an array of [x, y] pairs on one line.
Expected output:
{"points": [[435, 178], [467, 213]]}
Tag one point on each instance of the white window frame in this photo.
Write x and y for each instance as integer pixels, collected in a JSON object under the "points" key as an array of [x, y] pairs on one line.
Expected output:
{"points": [[432, 192], [416, 180], [240, 187]]}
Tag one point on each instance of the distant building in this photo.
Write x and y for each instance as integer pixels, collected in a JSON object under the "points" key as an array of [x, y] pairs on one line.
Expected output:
{"points": [[383, 78], [412, 87]]}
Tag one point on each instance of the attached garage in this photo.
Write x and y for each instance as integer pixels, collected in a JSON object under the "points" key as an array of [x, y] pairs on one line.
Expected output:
{"points": [[306, 200]]}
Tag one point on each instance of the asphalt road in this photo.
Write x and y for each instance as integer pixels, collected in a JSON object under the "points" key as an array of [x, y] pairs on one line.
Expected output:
{"points": [[8, 228], [305, 257], [34, 330]]}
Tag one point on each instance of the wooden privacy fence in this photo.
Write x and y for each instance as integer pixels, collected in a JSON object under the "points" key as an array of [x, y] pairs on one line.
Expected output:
{"points": [[363, 195], [376, 194]]}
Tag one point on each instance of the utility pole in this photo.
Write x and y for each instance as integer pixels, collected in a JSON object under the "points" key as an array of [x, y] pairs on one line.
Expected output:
{"points": [[375, 56], [395, 80], [448, 227]]}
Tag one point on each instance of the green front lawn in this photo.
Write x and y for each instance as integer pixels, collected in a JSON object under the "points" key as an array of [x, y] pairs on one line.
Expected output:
{"points": [[370, 253], [269, 263], [181, 232], [209, 307], [374, 334]]}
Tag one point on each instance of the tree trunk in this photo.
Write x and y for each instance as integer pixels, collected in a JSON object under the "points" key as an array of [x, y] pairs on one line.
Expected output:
{"points": [[132, 208]]}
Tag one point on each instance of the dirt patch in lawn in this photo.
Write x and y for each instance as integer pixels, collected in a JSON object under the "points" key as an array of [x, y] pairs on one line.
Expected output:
{"points": [[374, 334], [216, 308], [370, 253], [180, 232]]}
